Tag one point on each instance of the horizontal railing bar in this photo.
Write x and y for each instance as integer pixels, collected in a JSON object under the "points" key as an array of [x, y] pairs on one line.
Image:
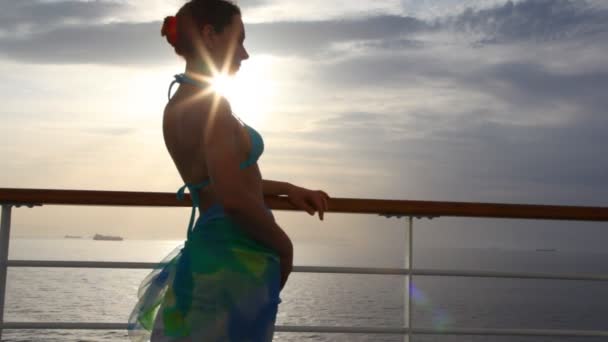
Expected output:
{"points": [[64, 326], [336, 205], [452, 273], [512, 275], [329, 269], [327, 329], [149, 265], [330, 330], [513, 332], [82, 264]]}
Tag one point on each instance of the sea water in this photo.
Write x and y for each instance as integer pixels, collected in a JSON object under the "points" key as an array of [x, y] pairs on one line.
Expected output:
{"points": [[108, 295]]}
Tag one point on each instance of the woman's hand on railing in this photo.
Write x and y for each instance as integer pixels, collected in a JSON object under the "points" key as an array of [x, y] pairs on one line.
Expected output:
{"points": [[310, 201]]}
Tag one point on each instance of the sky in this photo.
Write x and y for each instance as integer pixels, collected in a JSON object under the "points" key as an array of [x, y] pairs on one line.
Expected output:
{"points": [[443, 100]]}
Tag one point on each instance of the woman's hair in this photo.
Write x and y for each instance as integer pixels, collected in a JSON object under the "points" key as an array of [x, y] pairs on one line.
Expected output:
{"points": [[183, 30]]}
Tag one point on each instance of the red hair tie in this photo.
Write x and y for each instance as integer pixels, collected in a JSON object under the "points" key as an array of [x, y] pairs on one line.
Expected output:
{"points": [[170, 29]]}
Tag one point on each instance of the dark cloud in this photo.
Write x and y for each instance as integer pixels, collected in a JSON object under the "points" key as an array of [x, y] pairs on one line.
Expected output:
{"points": [[133, 42], [390, 71], [120, 43], [473, 158], [532, 20], [315, 37], [75, 32], [37, 15], [41, 16], [539, 163], [64, 32], [527, 86], [74, 27], [534, 85], [544, 144], [395, 44]]}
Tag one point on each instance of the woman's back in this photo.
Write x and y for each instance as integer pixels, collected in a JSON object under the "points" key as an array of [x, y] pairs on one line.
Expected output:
{"points": [[190, 121], [184, 124]]}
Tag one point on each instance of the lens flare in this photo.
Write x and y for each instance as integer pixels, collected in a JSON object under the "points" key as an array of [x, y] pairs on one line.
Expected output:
{"points": [[251, 93], [440, 317], [223, 85]]}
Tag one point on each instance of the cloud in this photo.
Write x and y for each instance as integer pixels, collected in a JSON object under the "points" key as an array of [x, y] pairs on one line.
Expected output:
{"points": [[532, 20], [537, 138], [558, 164], [118, 43], [529, 86], [140, 42], [432, 9], [507, 123], [314, 37], [43, 15], [74, 31], [82, 32], [468, 157], [37, 15], [532, 85]]}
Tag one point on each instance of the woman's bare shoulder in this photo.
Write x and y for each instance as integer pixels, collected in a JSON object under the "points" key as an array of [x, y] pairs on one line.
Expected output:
{"points": [[194, 108], [220, 121]]}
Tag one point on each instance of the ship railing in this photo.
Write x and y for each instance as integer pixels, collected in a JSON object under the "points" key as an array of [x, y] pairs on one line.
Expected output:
{"points": [[10, 198]]}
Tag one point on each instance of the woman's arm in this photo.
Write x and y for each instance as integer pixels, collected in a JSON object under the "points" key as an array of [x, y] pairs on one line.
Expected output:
{"points": [[309, 200], [275, 188]]}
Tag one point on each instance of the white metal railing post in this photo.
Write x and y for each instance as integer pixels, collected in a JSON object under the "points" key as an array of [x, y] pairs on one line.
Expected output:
{"points": [[407, 295], [5, 233]]}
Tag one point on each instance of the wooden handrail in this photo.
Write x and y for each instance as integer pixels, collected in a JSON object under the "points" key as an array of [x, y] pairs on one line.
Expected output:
{"points": [[336, 205]]}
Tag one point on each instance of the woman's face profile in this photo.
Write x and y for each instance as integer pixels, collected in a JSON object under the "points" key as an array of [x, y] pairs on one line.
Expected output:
{"points": [[227, 49]]}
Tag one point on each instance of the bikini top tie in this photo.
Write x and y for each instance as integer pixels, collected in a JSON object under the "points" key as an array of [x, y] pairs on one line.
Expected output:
{"points": [[257, 148]]}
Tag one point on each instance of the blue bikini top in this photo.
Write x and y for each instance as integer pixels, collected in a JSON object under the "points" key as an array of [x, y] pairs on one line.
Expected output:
{"points": [[257, 148]]}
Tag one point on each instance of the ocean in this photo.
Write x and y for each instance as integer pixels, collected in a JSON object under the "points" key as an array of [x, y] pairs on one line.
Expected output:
{"points": [[107, 295]]}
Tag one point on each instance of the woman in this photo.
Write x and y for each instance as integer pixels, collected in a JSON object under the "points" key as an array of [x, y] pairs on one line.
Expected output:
{"points": [[224, 284]]}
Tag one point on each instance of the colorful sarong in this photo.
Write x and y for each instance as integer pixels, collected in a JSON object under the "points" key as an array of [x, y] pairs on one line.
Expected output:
{"points": [[220, 286]]}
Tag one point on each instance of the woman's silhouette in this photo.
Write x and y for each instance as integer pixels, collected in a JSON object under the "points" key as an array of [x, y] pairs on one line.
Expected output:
{"points": [[224, 284]]}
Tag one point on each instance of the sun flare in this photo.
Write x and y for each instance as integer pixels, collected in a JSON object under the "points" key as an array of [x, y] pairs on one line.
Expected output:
{"points": [[251, 92], [222, 84]]}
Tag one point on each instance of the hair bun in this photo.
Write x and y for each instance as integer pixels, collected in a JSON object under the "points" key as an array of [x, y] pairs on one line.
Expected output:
{"points": [[169, 29]]}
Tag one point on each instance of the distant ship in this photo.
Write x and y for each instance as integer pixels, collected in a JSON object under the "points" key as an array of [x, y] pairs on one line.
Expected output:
{"points": [[72, 237], [107, 237]]}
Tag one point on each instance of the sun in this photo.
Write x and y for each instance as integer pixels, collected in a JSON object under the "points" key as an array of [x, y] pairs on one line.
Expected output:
{"points": [[223, 84], [251, 92]]}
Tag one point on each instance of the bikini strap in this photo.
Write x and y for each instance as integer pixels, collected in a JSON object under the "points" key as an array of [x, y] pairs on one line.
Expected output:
{"points": [[176, 80], [193, 189], [182, 78]]}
